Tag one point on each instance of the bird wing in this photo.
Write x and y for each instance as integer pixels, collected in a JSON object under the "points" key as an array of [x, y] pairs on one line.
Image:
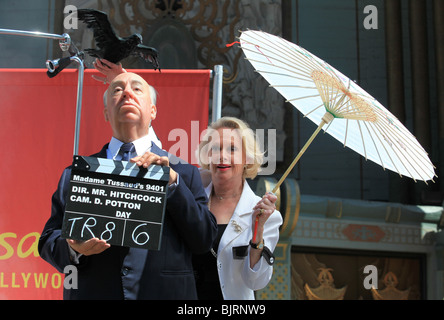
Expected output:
{"points": [[149, 54], [98, 21]]}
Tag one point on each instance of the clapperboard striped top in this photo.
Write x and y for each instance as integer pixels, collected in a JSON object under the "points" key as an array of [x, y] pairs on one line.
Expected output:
{"points": [[122, 168]]}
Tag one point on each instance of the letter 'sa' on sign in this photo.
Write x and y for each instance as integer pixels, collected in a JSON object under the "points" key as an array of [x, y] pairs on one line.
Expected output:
{"points": [[116, 201]]}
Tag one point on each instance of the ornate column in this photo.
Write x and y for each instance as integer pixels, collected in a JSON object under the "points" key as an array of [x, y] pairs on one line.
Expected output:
{"points": [[400, 190], [438, 9], [420, 72], [420, 80]]}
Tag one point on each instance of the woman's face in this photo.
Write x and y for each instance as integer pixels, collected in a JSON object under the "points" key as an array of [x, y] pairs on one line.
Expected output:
{"points": [[226, 155]]}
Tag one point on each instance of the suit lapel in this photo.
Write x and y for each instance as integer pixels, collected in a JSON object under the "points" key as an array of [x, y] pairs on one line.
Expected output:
{"points": [[155, 149], [101, 153], [240, 221]]}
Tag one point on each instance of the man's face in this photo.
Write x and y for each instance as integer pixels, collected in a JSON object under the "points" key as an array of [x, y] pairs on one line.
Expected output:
{"points": [[129, 105]]}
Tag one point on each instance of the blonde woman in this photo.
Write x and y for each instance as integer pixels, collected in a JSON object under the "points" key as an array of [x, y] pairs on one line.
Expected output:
{"points": [[240, 261]]}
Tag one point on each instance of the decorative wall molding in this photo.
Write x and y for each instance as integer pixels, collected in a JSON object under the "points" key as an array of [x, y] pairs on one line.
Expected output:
{"points": [[375, 235]]}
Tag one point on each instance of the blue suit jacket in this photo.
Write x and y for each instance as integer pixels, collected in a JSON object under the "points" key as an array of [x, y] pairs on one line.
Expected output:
{"points": [[132, 273]]}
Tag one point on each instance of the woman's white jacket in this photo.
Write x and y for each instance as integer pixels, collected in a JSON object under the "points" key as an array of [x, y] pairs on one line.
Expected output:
{"points": [[238, 281]]}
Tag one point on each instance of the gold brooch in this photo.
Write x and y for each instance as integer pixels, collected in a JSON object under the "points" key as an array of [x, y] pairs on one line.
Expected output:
{"points": [[236, 226]]}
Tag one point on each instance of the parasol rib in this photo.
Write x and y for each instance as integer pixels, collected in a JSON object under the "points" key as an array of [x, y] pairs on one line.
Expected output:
{"points": [[304, 97], [363, 141], [381, 162], [346, 132], [292, 71], [386, 152], [401, 156]]}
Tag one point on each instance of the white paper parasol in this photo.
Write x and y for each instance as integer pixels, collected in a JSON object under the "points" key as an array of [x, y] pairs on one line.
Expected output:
{"points": [[330, 99]]}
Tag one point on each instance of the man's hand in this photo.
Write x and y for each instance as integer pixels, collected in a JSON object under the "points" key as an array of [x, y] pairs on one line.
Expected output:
{"points": [[88, 247], [150, 158], [108, 69]]}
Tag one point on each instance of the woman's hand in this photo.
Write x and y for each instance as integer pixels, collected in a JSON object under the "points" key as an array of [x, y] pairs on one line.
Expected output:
{"points": [[108, 69], [261, 212], [264, 209]]}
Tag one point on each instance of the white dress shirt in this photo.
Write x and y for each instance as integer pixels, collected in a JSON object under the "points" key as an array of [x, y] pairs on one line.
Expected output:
{"points": [[142, 145]]}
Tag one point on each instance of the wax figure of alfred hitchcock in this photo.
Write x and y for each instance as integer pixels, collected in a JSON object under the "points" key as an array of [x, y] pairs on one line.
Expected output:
{"points": [[113, 272]]}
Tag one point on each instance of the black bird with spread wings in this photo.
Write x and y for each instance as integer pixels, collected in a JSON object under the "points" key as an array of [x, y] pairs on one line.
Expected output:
{"points": [[112, 47]]}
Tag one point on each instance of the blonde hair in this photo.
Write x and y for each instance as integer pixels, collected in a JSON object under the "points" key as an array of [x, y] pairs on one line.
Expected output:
{"points": [[250, 146]]}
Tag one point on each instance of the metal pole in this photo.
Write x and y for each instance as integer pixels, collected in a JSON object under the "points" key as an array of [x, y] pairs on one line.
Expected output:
{"points": [[64, 39], [79, 103], [36, 34], [217, 92], [64, 42]]}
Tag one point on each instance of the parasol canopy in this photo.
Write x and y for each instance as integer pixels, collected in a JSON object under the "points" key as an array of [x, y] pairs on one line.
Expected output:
{"points": [[337, 105]]}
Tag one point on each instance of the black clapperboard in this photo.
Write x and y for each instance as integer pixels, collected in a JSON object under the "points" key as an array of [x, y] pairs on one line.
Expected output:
{"points": [[116, 201]]}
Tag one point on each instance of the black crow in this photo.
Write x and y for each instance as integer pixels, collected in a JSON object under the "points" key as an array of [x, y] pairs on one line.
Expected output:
{"points": [[112, 47]]}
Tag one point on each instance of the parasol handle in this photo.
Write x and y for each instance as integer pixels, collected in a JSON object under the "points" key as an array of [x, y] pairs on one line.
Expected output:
{"points": [[326, 119]]}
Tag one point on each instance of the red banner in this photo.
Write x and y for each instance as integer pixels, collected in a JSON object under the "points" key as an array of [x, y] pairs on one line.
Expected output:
{"points": [[37, 139]]}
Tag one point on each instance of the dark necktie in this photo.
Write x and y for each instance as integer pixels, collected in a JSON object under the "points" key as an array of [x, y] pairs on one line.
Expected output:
{"points": [[125, 151]]}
